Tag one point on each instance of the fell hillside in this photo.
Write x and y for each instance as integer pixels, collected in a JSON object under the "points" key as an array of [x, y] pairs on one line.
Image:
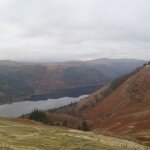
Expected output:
{"points": [[126, 110], [119, 108], [61, 76], [135, 90], [80, 109], [21, 134], [18, 82], [21, 80]]}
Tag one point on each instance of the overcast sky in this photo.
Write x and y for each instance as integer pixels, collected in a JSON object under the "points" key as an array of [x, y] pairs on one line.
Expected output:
{"points": [[58, 30]]}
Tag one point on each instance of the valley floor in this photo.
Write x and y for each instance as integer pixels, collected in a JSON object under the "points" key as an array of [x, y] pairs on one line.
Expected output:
{"points": [[30, 135]]}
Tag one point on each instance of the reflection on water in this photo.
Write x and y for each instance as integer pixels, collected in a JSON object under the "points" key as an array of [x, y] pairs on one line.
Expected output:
{"points": [[19, 108]]}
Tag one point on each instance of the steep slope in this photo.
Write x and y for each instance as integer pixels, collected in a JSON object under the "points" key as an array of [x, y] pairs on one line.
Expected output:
{"points": [[135, 90], [29, 135], [127, 109], [80, 109]]}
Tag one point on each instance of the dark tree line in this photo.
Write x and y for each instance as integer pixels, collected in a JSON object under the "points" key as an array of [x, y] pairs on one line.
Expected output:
{"points": [[57, 120], [38, 115], [147, 63], [118, 81]]}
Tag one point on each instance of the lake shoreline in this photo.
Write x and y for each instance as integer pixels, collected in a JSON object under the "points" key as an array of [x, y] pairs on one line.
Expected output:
{"points": [[19, 108], [72, 92]]}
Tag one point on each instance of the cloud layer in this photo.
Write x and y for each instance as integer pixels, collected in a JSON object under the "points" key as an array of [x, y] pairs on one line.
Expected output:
{"points": [[58, 30]]}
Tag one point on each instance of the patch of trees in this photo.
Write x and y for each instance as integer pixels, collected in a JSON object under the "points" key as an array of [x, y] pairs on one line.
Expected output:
{"points": [[147, 63], [55, 119], [85, 126], [38, 115], [114, 84], [118, 81], [68, 109]]}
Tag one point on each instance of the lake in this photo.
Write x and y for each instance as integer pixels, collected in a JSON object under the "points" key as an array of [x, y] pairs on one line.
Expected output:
{"points": [[18, 108]]}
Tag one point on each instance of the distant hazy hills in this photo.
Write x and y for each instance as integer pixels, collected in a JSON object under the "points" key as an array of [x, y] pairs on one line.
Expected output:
{"points": [[20, 80]]}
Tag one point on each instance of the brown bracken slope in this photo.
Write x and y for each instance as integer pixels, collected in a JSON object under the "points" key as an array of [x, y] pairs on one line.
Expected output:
{"points": [[126, 111]]}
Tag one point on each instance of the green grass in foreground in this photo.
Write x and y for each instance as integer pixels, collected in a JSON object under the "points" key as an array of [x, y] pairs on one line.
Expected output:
{"points": [[17, 136]]}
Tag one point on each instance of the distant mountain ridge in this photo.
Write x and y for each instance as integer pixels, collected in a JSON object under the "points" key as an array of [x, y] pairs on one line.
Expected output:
{"points": [[21, 80]]}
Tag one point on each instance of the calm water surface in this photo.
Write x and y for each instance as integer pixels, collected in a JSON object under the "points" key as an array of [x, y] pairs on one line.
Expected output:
{"points": [[19, 108]]}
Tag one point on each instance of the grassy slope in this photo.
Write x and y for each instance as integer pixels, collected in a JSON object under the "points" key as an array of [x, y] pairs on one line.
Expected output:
{"points": [[19, 136]]}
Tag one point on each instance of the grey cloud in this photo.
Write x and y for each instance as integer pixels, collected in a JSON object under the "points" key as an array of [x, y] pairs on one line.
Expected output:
{"points": [[56, 30]]}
